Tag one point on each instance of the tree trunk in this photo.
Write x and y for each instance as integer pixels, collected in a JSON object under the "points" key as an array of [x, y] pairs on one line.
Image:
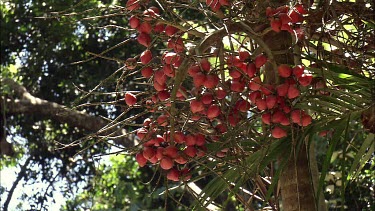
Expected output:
{"points": [[295, 181]]}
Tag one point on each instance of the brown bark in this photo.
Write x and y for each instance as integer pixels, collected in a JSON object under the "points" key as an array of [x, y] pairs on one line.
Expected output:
{"points": [[22, 102], [295, 181]]}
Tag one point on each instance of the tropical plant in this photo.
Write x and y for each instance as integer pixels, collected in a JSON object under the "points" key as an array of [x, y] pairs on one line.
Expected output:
{"points": [[245, 104]]}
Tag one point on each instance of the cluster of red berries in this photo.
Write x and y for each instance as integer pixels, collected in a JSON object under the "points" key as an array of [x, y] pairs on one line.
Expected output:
{"points": [[218, 97], [288, 19], [216, 4]]}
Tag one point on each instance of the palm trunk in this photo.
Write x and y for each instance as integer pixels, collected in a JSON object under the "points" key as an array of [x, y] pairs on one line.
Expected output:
{"points": [[295, 181]]}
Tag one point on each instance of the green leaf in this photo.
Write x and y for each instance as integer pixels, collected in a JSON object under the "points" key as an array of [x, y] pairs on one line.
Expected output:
{"points": [[361, 158]]}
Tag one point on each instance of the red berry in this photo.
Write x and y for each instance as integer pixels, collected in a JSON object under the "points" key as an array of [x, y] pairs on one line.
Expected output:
{"points": [[220, 93], [251, 70], [147, 72], [164, 95], [200, 140], [173, 175], [141, 160], [271, 101], [293, 92], [213, 111], [305, 79], [298, 70], [254, 96], [171, 151], [276, 25], [255, 84], [180, 159], [196, 106], [162, 120], [179, 137], [134, 22], [284, 70], [243, 54], [148, 153], [237, 86], [191, 151], [211, 81], [205, 64], [306, 120], [166, 163], [130, 99], [170, 30], [146, 57], [207, 98], [278, 116], [141, 133], [278, 132], [132, 5], [266, 118], [145, 27], [261, 104], [282, 89], [199, 79], [144, 39], [260, 60], [190, 140]]}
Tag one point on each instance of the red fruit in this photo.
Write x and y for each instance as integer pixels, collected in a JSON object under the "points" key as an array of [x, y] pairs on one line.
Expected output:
{"points": [[193, 70], [141, 133], [295, 16], [260, 60], [269, 12], [253, 96], [213, 111], [233, 60], [185, 174], [141, 160], [296, 116], [271, 101], [255, 84], [164, 95], [278, 132], [162, 120], [180, 160], [278, 116], [173, 175], [243, 54], [251, 70], [131, 63], [284, 70], [266, 118], [211, 81], [171, 151], [305, 79], [221, 128], [159, 28], [214, 4], [233, 118], [145, 27], [199, 79], [220, 93], [237, 86], [149, 14], [170, 57], [200, 140], [147, 72], [196, 106], [242, 105], [190, 140], [134, 22], [298, 70], [166, 163], [177, 44], [207, 98], [159, 87], [276, 25], [293, 92], [286, 109], [306, 120], [267, 89], [300, 9], [154, 160], [155, 9], [205, 65], [170, 30], [261, 104], [282, 89], [146, 57], [235, 73], [285, 19], [148, 153], [130, 99], [224, 2], [179, 137], [160, 77], [159, 153], [144, 39], [285, 121], [132, 5], [168, 70], [191, 151]]}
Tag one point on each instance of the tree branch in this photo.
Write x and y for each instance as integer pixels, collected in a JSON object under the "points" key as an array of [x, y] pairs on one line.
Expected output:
{"points": [[25, 103], [15, 183]]}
